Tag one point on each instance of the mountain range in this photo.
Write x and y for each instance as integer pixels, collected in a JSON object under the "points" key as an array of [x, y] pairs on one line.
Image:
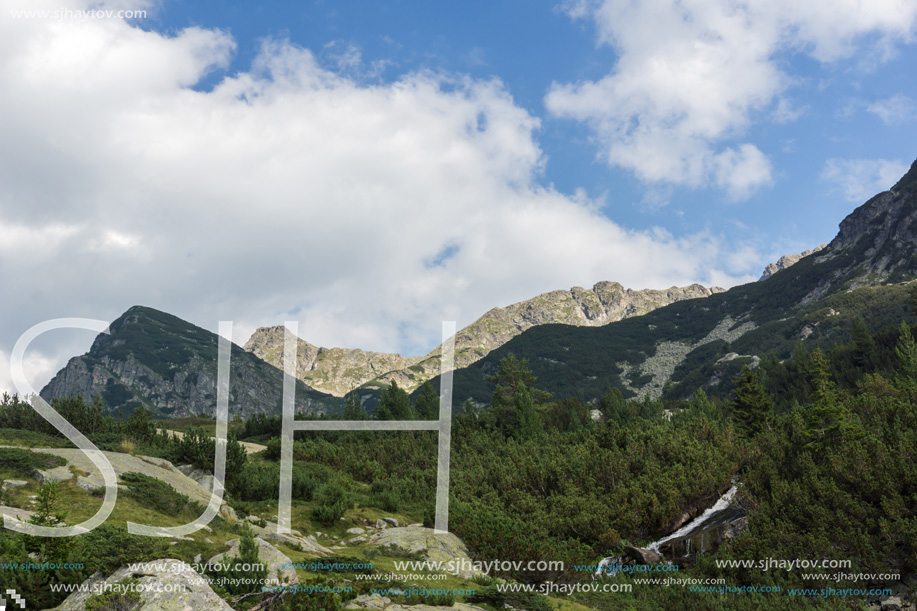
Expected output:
{"points": [[339, 370], [578, 342]]}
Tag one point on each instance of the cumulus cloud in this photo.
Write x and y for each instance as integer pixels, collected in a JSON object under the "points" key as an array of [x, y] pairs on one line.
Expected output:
{"points": [[859, 179], [287, 191], [692, 75], [894, 110]]}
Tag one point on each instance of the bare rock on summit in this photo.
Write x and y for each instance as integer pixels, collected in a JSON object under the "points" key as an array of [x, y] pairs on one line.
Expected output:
{"points": [[338, 370], [787, 260]]}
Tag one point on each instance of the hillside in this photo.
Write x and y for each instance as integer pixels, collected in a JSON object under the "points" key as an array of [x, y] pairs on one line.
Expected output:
{"points": [[673, 350], [338, 370], [159, 361]]}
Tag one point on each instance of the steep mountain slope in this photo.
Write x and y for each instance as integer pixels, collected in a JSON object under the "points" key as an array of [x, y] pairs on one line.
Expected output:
{"points": [[787, 260], [674, 350], [168, 365], [338, 370], [332, 370]]}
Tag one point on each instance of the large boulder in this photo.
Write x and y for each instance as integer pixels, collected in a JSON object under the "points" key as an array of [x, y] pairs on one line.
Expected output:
{"points": [[438, 547], [374, 602], [20, 514], [294, 539], [279, 569], [642, 556], [203, 478], [164, 585], [122, 463]]}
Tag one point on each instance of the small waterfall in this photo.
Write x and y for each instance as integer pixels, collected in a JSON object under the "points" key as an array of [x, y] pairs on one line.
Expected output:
{"points": [[699, 535], [721, 505]]}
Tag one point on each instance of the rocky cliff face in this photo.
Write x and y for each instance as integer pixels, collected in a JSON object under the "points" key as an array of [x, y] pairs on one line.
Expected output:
{"points": [[876, 243], [169, 366], [332, 370], [787, 260], [338, 370]]}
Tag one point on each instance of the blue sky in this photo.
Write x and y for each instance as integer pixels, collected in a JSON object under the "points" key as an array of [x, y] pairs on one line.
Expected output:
{"points": [[530, 45], [371, 169]]}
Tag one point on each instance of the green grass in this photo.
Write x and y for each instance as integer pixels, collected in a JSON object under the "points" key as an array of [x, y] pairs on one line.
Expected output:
{"points": [[19, 463], [31, 439]]}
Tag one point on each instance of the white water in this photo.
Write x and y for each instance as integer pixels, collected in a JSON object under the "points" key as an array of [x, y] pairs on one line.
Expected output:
{"points": [[720, 505]]}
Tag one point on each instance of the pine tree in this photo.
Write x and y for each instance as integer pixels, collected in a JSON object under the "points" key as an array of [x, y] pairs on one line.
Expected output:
{"points": [[511, 374], [353, 407], [865, 352], [427, 405], [394, 404], [828, 421], [614, 407], [530, 424], [752, 406], [906, 351]]}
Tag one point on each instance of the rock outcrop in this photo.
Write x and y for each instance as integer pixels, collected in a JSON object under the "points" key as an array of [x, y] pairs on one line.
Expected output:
{"points": [[438, 547], [158, 361], [338, 370], [375, 602], [787, 260], [332, 370], [164, 585], [280, 571]]}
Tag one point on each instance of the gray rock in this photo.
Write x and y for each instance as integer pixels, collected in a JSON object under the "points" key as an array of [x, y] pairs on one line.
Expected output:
{"points": [[391, 521], [354, 531], [429, 544], [337, 370], [368, 601], [184, 387], [229, 514], [14, 483], [123, 463], [295, 540], [357, 540], [380, 523], [892, 603], [455, 607], [788, 260], [203, 478], [642, 556], [19, 514], [87, 484], [57, 474], [168, 585], [278, 570]]}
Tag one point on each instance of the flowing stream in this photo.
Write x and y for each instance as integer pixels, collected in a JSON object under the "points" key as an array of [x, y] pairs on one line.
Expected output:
{"points": [[699, 535]]}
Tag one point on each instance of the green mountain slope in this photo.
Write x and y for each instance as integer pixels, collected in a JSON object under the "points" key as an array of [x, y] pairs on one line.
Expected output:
{"points": [[674, 350], [168, 365], [338, 370]]}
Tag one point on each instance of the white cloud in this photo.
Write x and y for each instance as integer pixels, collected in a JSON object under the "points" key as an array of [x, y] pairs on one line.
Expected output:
{"points": [[860, 179], [289, 191], [741, 171], [692, 75], [894, 110]]}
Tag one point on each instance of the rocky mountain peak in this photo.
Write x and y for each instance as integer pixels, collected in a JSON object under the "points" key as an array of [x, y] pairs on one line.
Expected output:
{"points": [[880, 236], [787, 260], [161, 362], [338, 370]]}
